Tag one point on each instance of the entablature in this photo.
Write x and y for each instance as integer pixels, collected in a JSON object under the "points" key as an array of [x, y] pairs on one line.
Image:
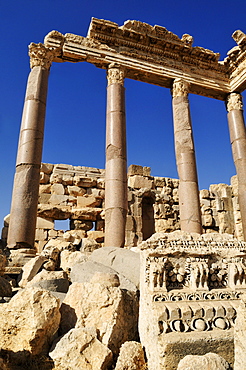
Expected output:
{"points": [[155, 55]]}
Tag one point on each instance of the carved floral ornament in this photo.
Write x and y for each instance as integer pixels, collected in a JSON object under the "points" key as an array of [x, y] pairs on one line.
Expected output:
{"points": [[41, 56], [115, 74], [234, 101], [180, 88]]}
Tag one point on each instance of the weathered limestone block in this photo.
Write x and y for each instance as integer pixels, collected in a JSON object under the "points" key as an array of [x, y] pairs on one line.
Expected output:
{"points": [[43, 223], [206, 362], [44, 198], [55, 281], [98, 236], [45, 189], [234, 185], [57, 189], [41, 234], [80, 349], [76, 191], [88, 201], [88, 213], [101, 183], [240, 336], [81, 225], [29, 322], [30, 269], [58, 200], [131, 357], [68, 259], [54, 212], [46, 168], [134, 169], [103, 305], [121, 260], [44, 178], [85, 182], [139, 182], [89, 245]]}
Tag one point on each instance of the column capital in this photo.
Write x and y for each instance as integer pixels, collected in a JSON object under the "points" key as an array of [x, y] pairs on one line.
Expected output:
{"points": [[41, 56], [234, 101], [180, 88], [115, 74]]}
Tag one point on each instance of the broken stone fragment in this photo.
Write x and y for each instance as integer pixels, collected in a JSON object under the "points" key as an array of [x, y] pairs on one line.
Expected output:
{"points": [[80, 349], [131, 357], [206, 362], [29, 322]]}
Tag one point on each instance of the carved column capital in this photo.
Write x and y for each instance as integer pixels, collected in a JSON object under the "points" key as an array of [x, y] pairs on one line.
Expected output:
{"points": [[115, 74], [41, 56], [180, 88], [234, 101]]}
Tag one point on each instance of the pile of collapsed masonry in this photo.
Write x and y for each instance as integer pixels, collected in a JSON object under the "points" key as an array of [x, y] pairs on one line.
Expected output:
{"points": [[78, 309]]}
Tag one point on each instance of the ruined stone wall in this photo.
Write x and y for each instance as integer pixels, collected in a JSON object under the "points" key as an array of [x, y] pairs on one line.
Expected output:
{"points": [[77, 193]]}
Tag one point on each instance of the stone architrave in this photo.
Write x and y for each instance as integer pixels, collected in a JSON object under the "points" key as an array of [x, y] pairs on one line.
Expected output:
{"points": [[116, 168], [238, 143], [26, 183], [190, 214]]}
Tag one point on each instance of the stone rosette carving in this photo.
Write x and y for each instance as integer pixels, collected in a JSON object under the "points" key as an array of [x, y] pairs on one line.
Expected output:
{"points": [[41, 56], [115, 74], [180, 88], [234, 101]]}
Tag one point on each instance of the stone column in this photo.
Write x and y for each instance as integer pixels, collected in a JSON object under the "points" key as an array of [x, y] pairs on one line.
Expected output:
{"points": [[116, 168], [238, 143], [23, 213], [189, 205]]}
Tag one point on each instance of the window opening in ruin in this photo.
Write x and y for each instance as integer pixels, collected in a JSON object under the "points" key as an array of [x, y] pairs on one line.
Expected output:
{"points": [[148, 222], [62, 225]]}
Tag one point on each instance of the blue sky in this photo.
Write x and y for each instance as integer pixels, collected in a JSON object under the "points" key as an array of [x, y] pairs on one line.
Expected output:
{"points": [[75, 119]]}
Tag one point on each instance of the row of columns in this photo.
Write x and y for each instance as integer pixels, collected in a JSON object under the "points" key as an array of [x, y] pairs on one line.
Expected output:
{"points": [[26, 183]]}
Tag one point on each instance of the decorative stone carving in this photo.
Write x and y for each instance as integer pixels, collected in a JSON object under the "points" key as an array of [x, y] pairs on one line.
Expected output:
{"points": [[180, 88], [234, 101], [41, 56], [115, 74]]}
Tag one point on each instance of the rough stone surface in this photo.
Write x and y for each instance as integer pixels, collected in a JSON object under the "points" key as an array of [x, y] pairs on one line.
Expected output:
{"points": [[56, 281], [240, 336], [80, 349], [121, 260], [114, 312], [207, 362], [30, 269], [29, 321], [131, 357]]}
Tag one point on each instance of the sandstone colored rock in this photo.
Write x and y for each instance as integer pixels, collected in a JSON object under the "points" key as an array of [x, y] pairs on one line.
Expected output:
{"points": [[131, 357], [56, 281], [68, 259], [112, 311], [29, 321], [30, 269], [240, 336], [207, 362], [80, 349], [123, 261]]}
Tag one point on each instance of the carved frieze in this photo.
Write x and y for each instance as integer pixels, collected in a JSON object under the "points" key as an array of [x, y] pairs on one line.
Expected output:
{"points": [[234, 101], [41, 56]]}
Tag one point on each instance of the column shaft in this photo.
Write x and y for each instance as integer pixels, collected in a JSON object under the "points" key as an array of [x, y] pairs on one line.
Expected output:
{"points": [[116, 168], [238, 143], [23, 213], [189, 204]]}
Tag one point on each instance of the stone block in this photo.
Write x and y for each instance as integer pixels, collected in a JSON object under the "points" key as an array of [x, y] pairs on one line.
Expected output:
{"points": [[205, 194], [43, 223], [46, 188], [87, 214], [76, 191], [52, 233], [44, 198], [67, 179], [85, 182], [146, 171], [88, 201], [44, 178], [139, 182], [56, 178], [98, 236], [60, 200], [46, 168], [41, 234], [101, 183], [159, 182], [57, 189], [134, 169]]}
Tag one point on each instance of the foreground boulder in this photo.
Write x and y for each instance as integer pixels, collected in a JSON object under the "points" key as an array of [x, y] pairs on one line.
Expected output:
{"points": [[80, 349], [29, 322], [207, 362], [131, 357], [103, 305]]}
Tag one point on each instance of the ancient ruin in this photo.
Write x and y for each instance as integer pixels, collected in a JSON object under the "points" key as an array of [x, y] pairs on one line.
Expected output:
{"points": [[151, 272]]}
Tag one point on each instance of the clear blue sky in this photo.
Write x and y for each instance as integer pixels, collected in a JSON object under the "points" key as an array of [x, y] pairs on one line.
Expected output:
{"points": [[75, 120]]}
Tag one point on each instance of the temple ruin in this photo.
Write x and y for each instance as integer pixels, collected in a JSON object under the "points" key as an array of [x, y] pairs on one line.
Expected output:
{"points": [[191, 243]]}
